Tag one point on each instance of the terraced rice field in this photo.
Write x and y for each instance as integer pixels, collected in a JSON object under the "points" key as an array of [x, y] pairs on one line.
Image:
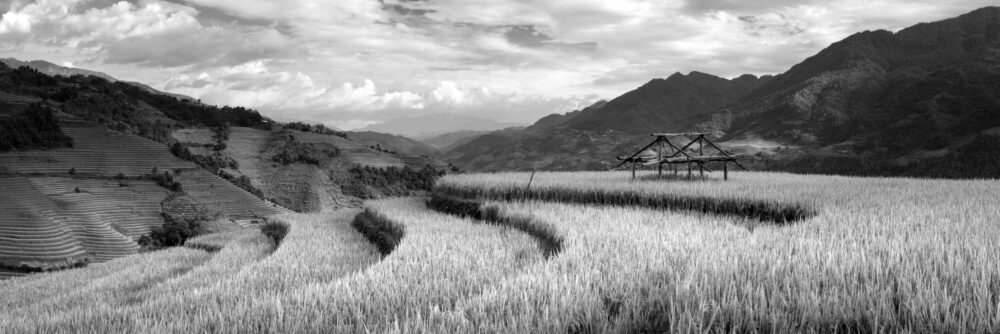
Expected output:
{"points": [[297, 186], [218, 195], [97, 151], [33, 231], [133, 210], [51, 219], [855, 255]]}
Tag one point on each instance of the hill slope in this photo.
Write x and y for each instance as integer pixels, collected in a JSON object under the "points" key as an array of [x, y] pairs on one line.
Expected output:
{"points": [[89, 166]]}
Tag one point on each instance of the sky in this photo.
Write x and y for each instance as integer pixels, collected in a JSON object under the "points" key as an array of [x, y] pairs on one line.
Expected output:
{"points": [[352, 63]]}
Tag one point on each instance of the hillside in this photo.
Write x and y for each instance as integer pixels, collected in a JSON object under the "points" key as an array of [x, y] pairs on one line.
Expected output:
{"points": [[875, 103], [93, 201], [91, 167], [53, 70], [888, 100], [302, 171]]}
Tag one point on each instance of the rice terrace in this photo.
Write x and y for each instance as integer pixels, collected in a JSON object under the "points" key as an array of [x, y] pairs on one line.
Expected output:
{"points": [[390, 166]]}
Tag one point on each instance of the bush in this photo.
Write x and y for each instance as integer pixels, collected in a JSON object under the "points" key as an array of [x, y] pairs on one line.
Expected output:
{"points": [[275, 230], [175, 231], [165, 180], [382, 232], [368, 182]]}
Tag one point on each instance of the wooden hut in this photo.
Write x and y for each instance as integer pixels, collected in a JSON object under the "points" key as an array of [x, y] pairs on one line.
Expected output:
{"points": [[664, 150]]}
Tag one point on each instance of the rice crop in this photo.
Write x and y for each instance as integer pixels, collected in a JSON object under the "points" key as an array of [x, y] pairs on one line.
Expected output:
{"points": [[617, 189], [874, 255]]}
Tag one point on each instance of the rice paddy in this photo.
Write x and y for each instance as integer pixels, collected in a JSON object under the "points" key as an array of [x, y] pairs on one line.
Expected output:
{"points": [[866, 255]]}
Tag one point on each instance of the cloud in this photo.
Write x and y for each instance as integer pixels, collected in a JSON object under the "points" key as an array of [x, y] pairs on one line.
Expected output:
{"points": [[363, 61], [296, 96], [149, 34]]}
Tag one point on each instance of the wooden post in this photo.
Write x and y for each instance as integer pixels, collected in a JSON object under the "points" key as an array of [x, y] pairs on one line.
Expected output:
{"points": [[633, 170], [689, 170], [659, 158], [701, 153], [725, 170]]}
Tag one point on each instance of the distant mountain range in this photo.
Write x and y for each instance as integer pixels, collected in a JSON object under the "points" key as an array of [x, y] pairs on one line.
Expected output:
{"points": [[427, 126], [875, 103]]}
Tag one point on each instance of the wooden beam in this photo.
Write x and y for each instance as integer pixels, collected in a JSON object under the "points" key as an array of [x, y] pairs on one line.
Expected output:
{"points": [[725, 153], [637, 153], [676, 134], [725, 170]]}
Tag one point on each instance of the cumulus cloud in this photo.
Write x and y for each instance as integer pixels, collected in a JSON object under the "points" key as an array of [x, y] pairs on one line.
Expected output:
{"points": [[147, 33], [362, 61]]}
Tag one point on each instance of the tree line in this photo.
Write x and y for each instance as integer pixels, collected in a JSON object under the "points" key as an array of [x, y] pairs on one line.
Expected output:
{"points": [[36, 127]]}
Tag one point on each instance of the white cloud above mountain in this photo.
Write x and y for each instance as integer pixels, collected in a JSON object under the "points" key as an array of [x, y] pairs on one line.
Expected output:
{"points": [[363, 61]]}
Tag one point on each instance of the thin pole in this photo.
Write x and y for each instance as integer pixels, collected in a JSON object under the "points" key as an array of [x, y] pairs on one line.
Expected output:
{"points": [[725, 170], [701, 153], [659, 161], [633, 170], [532, 178], [689, 170]]}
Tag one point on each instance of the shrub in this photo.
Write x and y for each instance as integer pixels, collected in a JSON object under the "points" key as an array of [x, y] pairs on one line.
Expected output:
{"points": [[382, 232], [368, 182], [175, 231], [275, 230], [165, 180]]}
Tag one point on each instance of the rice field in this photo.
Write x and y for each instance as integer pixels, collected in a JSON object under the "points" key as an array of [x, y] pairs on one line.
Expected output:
{"points": [[857, 255]]}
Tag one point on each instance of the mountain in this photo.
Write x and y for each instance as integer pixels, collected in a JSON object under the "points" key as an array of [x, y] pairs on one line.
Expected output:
{"points": [[886, 99], [670, 104], [554, 120], [53, 70], [875, 103], [393, 143], [435, 124]]}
